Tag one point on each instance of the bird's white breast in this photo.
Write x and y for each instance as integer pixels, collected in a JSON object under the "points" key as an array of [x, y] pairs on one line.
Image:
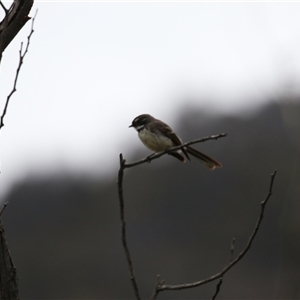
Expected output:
{"points": [[155, 141]]}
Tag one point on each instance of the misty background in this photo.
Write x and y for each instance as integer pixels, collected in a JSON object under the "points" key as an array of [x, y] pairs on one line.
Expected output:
{"points": [[203, 68]]}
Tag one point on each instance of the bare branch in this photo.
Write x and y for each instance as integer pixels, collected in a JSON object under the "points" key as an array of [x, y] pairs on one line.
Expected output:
{"points": [[15, 18], [123, 225], [21, 60], [164, 287]]}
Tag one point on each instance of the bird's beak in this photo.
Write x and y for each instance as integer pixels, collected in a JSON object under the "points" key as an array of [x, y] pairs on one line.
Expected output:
{"points": [[130, 126]]}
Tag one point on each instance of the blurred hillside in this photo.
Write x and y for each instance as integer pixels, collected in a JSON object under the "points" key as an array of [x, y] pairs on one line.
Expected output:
{"points": [[64, 231]]}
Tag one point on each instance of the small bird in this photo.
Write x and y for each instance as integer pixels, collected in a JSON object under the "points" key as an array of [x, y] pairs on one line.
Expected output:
{"points": [[158, 136]]}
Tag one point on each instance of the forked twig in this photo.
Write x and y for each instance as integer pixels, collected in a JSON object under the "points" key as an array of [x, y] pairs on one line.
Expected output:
{"points": [[163, 287]]}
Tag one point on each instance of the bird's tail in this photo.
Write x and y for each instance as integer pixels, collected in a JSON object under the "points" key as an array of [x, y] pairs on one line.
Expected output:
{"points": [[205, 159]]}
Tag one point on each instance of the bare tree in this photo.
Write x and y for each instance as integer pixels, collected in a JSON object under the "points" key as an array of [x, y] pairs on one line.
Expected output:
{"points": [[160, 285], [15, 18]]}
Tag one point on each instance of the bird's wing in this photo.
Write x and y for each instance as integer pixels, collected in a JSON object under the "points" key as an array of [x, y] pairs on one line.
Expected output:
{"points": [[176, 140]]}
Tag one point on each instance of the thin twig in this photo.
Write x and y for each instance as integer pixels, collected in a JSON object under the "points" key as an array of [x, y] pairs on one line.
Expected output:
{"points": [[3, 7], [218, 288], [3, 207], [21, 60], [157, 155], [123, 225], [164, 287], [232, 249]]}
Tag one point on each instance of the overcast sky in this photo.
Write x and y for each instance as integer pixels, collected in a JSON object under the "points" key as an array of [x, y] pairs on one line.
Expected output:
{"points": [[92, 67]]}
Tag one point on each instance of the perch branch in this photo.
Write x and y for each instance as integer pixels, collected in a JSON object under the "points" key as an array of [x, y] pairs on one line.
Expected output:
{"points": [[163, 287], [157, 155]]}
